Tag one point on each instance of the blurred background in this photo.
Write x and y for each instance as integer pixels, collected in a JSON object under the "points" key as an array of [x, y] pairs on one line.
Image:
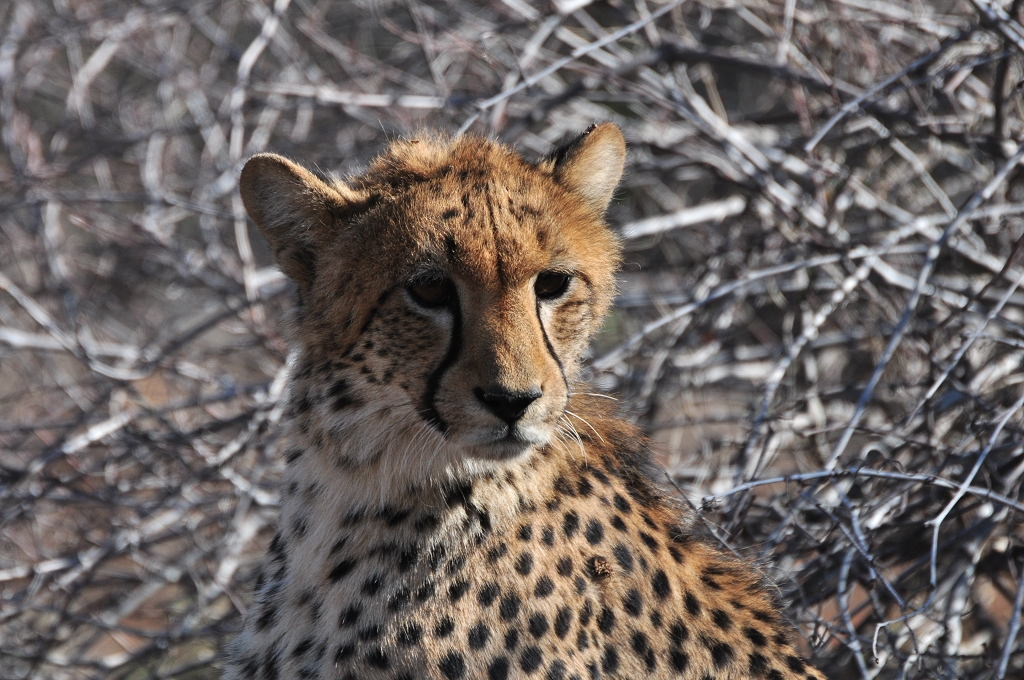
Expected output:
{"points": [[820, 319]]}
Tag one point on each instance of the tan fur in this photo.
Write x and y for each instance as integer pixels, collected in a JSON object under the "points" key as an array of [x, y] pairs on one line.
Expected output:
{"points": [[428, 533]]}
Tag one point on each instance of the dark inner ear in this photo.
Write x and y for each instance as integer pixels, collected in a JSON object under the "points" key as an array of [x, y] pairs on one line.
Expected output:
{"points": [[564, 150]]}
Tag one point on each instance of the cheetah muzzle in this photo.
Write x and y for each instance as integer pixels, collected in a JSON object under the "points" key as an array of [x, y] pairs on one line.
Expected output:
{"points": [[454, 504]]}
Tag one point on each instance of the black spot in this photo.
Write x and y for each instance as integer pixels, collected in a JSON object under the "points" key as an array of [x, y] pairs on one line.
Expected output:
{"points": [[755, 636], [564, 567], [545, 587], [531, 659], [795, 663], [349, 616], [584, 488], [606, 621], [339, 392], [563, 487], [623, 557], [548, 536], [444, 627], [660, 585], [656, 618], [450, 214], [610, 660], [721, 653], [639, 642], [377, 658], [457, 590], [426, 523], [393, 516], [408, 558], [370, 633], [678, 633], [525, 534], [456, 564], [509, 607], [563, 620], [618, 523], [524, 565], [300, 649], [570, 524], [556, 671], [774, 674], [758, 664], [452, 666], [478, 636], [488, 594], [425, 591], [595, 532], [372, 585], [293, 455], [496, 554], [679, 660], [410, 634], [344, 652], [622, 504], [763, 616], [692, 605], [721, 619], [511, 639], [633, 603], [538, 625], [498, 670], [649, 541], [582, 640], [267, 617], [399, 599], [341, 570], [710, 582], [352, 518]]}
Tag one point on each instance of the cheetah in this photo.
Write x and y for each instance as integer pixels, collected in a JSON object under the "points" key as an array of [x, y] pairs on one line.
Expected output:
{"points": [[455, 505]]}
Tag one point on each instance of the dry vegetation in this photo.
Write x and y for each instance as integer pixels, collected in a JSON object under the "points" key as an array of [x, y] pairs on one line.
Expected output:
{"points": [[820, 318]]}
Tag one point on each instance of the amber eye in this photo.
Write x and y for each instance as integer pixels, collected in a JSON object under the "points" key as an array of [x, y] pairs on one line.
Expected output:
{"points": [[432, 293], [551, 285]]}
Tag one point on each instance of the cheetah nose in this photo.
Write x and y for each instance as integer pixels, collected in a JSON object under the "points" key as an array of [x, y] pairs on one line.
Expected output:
{"points": [[509, 406]]}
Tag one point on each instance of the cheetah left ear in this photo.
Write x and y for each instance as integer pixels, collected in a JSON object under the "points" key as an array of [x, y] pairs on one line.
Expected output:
{"points": [[295, 211], [591, 165]]}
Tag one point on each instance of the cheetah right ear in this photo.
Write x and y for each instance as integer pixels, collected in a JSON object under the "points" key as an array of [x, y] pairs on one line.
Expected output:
{"points": [[294, 210]]}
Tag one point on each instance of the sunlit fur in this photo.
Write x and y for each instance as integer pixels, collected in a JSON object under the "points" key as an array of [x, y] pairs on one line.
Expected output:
{"points": [[422, 534]]}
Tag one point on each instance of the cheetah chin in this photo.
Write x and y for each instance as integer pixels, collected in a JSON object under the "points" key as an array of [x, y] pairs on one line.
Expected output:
{"points": [[455, 504]]}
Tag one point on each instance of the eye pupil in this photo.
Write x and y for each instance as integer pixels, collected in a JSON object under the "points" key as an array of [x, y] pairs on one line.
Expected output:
{"points": [[551, 285], [432, 293]]}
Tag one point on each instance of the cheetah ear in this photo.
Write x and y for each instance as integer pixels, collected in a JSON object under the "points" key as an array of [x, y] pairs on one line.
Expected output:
{"points": [[294, 210], [591, 165]]}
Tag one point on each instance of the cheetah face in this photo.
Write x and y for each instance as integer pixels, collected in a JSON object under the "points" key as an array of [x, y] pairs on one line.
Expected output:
{"points": [[453, 287]]}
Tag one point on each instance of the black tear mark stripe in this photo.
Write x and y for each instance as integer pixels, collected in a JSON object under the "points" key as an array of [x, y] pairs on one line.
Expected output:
{"points": [[551, 348], [429, 412]]}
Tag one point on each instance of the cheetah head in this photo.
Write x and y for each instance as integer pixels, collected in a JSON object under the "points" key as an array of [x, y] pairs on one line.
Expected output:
{"points": [[450, 290]]}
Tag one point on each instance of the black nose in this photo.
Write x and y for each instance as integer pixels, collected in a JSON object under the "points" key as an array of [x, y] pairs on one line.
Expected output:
{"points": [[509, 406]]}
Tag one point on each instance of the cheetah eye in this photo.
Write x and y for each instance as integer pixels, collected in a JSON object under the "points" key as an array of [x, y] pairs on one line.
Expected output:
{"points": [[431, 293], [551, 285]]}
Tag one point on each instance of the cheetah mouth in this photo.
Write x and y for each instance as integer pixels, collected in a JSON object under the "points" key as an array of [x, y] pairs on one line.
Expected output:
{"points": [[509, 444]]}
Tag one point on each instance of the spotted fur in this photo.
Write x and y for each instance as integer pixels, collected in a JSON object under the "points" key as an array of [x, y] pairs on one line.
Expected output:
{"points": [[454, 506]]}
